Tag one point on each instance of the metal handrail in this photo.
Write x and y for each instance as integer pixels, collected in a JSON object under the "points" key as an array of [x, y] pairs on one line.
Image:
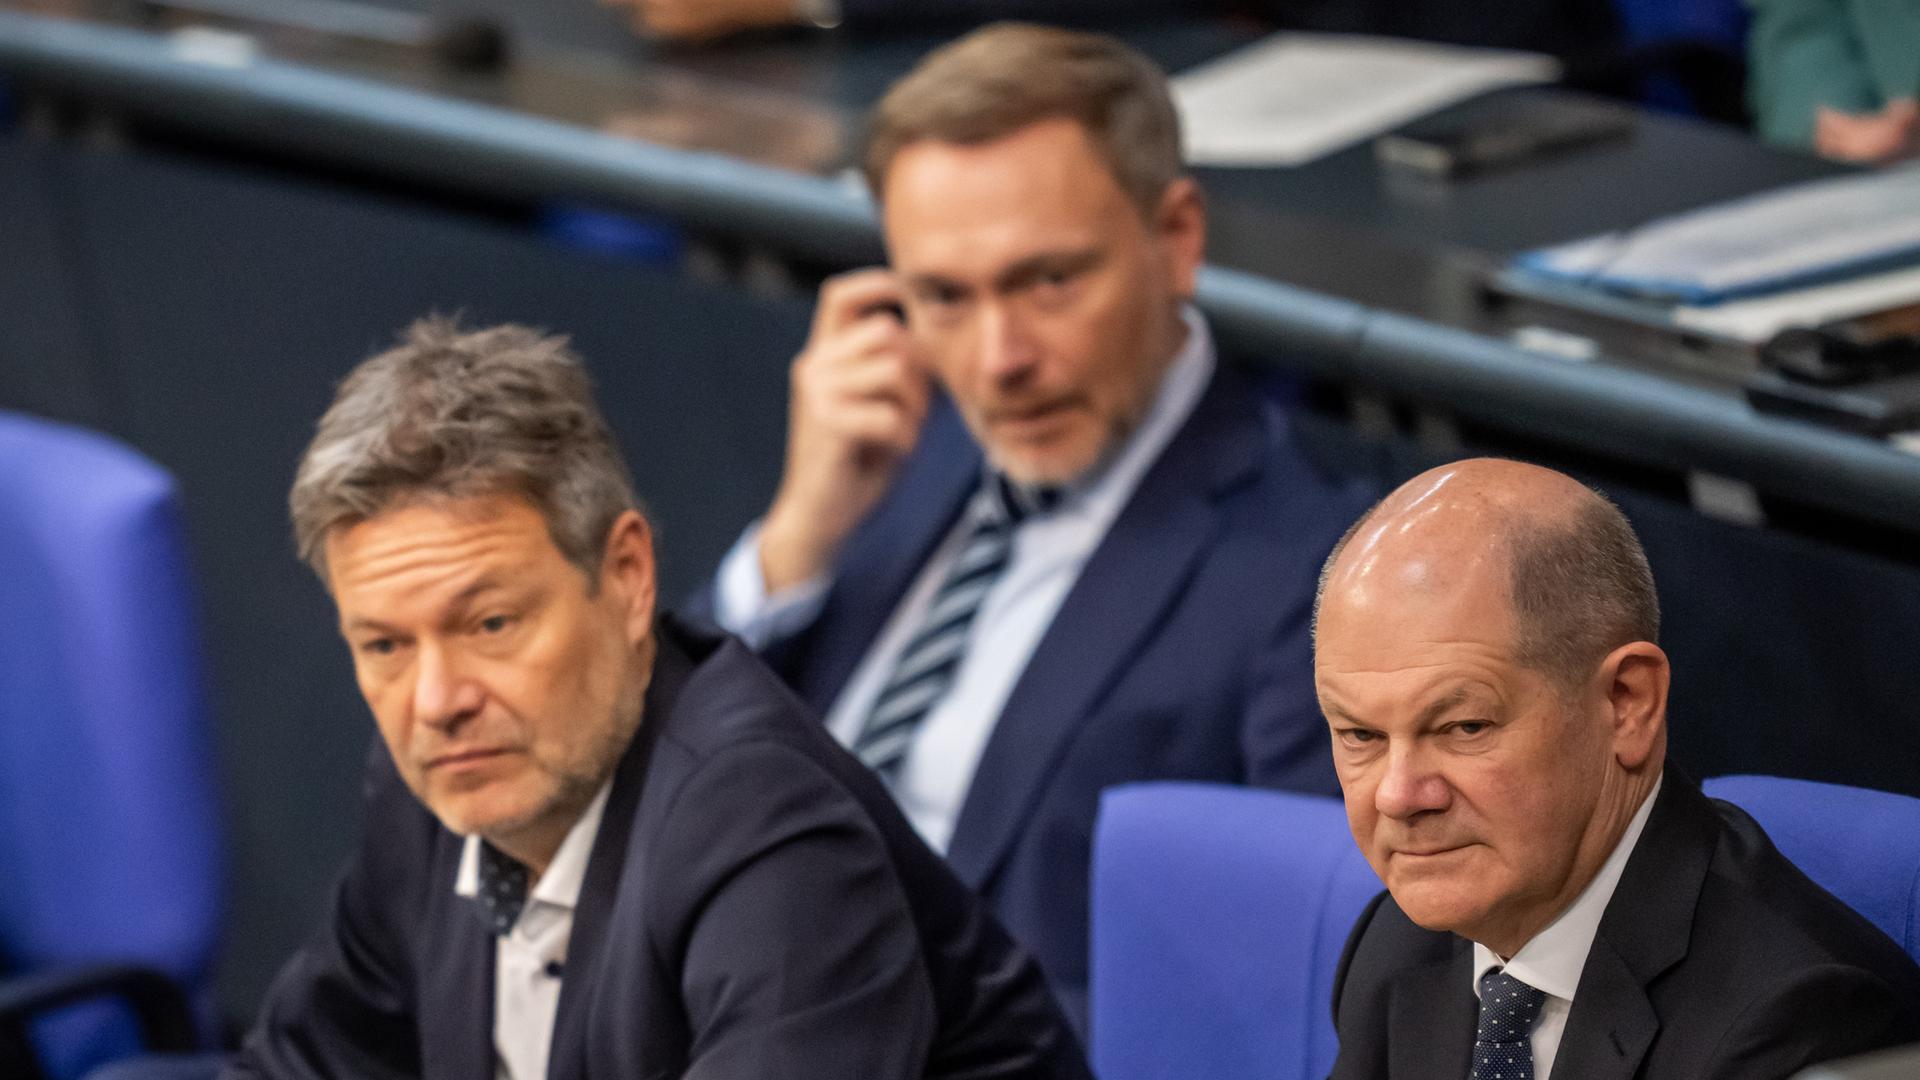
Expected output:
{"points": [[1616, 411]]}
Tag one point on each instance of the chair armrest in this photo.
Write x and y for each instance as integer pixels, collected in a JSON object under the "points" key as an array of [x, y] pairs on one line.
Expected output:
{"points": [[166, 1017]]}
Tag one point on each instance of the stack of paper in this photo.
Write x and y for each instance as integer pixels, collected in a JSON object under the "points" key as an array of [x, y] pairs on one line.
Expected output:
{"points": [[1802, 235], [1295, 97], [1759, 318]]}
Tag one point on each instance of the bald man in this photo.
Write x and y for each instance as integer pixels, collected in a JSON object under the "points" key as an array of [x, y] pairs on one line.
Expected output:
{"points": [[1486, 656]]}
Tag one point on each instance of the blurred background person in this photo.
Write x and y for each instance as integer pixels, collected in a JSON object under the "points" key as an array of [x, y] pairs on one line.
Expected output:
{"points": [[1838, 76]]}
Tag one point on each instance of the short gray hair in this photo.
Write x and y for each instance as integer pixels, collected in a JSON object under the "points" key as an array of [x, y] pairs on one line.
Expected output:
{"points": [[1579, 588], [450, 413]]}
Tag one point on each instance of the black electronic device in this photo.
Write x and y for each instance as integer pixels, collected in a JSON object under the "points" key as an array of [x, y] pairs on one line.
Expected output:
{"points": [[1848, 352], [1862, 373], [1498, 132]]}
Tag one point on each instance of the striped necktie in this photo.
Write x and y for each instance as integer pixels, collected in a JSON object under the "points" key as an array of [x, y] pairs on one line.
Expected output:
{"points": [[926, 667]]}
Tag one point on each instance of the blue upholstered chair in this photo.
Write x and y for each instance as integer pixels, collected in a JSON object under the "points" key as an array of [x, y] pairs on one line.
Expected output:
{"points": [[1218, 918], [110, 856], [1219, 913], [1690, 55], [1862, 846]]}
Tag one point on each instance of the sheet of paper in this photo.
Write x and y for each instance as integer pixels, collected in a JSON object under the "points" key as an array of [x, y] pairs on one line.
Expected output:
{"points": [[1292, 98], [1763, 243], [1760, 318]]}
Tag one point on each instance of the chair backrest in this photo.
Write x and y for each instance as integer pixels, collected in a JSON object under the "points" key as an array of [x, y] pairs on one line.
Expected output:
{"points": [[1219, 914], [1862, 846], [1687, 56], [1718, 23], [109, 832]]}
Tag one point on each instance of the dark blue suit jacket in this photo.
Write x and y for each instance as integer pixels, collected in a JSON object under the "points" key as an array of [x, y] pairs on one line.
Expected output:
{"points": [[1716, 960], [1181, 653], [754, 906]]}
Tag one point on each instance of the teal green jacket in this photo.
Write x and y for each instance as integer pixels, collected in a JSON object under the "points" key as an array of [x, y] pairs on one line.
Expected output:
{"points": [[1851, 55]]}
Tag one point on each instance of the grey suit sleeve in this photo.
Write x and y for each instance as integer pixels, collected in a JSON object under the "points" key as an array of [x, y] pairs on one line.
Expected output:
{"points": [[1825, 1013], [796, 950]]}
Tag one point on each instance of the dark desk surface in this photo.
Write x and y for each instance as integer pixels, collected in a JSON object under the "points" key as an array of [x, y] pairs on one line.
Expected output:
{"points": [[1367, 250], [1669, 164], [1341, 225]]}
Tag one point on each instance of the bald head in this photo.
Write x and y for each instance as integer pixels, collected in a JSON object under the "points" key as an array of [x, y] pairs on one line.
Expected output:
{"points": [[1483, 655], [1575, 578]]}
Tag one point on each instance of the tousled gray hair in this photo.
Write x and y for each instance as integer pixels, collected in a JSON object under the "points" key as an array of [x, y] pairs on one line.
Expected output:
{"points": [[451, 413]]}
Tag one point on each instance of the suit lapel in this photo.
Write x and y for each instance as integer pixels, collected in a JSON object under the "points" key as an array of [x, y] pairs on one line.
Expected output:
{"points": [[1138, 572], [1432, 1014], [1645, 931], [457, 1031], [1612, 1022], [567, 1058], [883, 557]]}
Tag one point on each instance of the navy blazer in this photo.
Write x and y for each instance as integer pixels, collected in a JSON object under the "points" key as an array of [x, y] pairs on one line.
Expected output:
{"points": [[1182, 651], [754, 906], [1717, 959]]}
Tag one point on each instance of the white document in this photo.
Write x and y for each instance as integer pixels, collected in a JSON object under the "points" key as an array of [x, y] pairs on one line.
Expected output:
{"points": [[1292, 98], [1760, 318], [1763, 243]]}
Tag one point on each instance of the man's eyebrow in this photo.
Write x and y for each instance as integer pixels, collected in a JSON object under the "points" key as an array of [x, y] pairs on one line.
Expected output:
{"points": [[1336, 713], [361, 622], [456, 607], [933, 282], [464, 599], [1047, 262], [1452, 699]]}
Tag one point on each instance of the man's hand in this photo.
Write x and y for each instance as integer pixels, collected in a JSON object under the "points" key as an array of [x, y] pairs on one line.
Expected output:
{"points": [[1870, 138], [858, 397], [704, 20]]}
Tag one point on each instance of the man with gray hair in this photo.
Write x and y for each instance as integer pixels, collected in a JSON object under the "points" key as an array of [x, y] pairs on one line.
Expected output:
{"points": [[596, 844], [1559, 900]]}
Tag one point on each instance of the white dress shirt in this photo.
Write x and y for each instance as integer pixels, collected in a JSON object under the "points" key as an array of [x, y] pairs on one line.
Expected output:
{"points": [[1047, 555], [1553, 959], [528, 961]]}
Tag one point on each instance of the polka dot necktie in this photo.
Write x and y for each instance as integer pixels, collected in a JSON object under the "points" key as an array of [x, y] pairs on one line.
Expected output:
{"points": [[1508, 1008], [503, 888]]}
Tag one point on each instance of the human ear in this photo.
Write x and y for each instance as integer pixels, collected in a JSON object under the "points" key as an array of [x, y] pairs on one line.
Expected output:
{"points": [[628, 568], [1181, 223], [1636, 678]]}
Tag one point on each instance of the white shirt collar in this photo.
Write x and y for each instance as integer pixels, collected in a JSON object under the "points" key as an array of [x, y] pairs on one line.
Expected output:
{"points": [[1553, 959], [560, 885]]}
